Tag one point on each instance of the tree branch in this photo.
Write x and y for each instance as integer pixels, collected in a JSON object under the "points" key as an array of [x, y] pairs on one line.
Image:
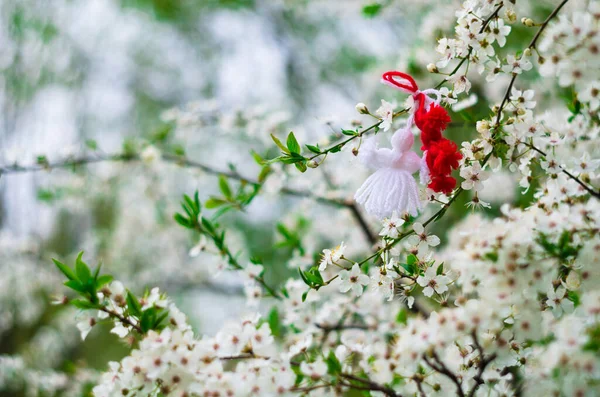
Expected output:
{"points": [[371, 385], [483, 363], [169, 158], [564, 171], [124, 320], [440, 367]]}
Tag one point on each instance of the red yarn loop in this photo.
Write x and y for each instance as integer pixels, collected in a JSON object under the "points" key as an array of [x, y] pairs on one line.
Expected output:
{"points": [[411, 87], [443, 155]]}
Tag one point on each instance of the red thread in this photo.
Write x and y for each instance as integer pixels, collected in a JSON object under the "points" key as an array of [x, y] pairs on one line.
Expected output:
{"points": [[389, 77], [442, 154]]}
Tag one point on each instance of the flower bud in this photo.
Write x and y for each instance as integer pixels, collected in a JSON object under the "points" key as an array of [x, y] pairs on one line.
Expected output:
{"points": [[495, 109], [355, 151], [431, 68], [511, 15], [541, 60], [312, 164], [511, 120], [483, 126], [362, 108], [527, 22], [573, 281], [521, 111], [150, 154], [527, 52]]}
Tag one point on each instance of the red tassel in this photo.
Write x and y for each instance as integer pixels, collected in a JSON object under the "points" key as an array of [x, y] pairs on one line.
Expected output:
{"points": [[435, 119], [442, 184], [442, 157]]}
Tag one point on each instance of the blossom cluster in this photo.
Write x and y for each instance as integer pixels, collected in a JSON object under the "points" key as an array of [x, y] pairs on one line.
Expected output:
{"points": [[173, 362]]}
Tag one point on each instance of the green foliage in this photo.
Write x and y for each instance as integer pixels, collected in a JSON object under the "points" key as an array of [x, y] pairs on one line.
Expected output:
{"points": [[292, 237], [86, 284], [192, 210], [593, 342], [290, 153], [402, 316], [334, 366], [275, 323], [83, 281], [411, 265], [372, 10], [312, 277], [563, 249]]}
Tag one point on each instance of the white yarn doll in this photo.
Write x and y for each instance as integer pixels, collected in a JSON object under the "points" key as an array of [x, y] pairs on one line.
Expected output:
{"points": [[392, 186]]}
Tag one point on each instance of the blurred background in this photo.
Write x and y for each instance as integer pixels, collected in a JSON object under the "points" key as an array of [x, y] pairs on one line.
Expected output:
{"points": [[208, 78]]}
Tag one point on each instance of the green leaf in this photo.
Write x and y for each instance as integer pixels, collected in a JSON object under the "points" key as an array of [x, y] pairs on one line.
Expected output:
{"points": [[257, 157], [134, 305], [492, 256], [305, 294], [274, 322], [91, 144], [314, 149], [409, 267], [292, 143], [103, 280], [411, 259], [182, 220], [97, 271], [333, 364], [214, 202], [197, 201], [158, 321], [83, 304], [147, 320], [301, 166], [81, 269], [440, 269], [279, 144], [264, 172], [349, 132], [314, 276], [191, 204], [304, 278], [371, 10], [224, 186], [76, 286], [42, 160], [208, 226], [66, 270], [402, 317]]}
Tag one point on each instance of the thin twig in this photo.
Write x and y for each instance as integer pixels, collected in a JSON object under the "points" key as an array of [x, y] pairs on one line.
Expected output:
{"points": [[169, 158], [545, 23], [341, 327], [419, 383], [440, 367], [483, 363], [124, 320], [564, 171], [371, 237], [372, 385]]}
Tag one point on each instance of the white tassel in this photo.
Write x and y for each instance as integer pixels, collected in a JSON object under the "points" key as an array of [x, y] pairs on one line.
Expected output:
{"points": [[392, 186]]}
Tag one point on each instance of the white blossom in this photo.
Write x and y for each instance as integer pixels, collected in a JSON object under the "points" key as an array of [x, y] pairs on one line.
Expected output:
{"points": [[354, 280]]}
